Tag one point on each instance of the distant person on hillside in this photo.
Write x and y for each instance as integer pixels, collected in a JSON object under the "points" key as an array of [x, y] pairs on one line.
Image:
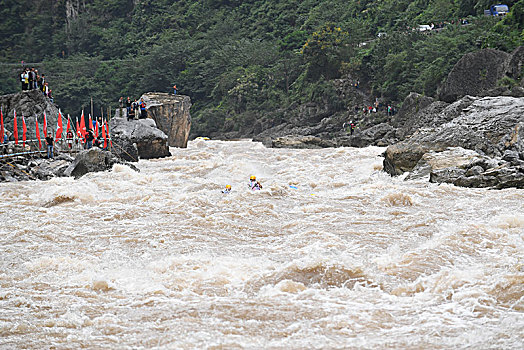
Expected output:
{"points": [[50, 143], [174, 89], [350, 127]]}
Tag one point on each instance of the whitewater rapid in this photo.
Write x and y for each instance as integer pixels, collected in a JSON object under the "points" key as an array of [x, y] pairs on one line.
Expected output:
{"points": [[351, 258]]}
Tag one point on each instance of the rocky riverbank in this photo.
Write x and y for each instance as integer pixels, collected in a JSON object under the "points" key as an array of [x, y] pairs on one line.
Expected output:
{"points": [[471, 134], [131, 140]]}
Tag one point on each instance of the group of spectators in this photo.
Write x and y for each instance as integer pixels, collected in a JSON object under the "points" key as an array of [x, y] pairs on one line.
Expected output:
{"points": [[32, 80], [377, 107], [134, 110]]}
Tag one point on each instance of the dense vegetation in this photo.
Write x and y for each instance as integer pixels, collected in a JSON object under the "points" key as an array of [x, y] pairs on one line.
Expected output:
{"points": [[240, 59]]}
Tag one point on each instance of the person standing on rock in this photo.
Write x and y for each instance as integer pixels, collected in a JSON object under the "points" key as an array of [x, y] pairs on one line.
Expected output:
{"points": [[135, 108], [174, 89], [121, 105], [24, 77], [143, 112], [42, 84], [128, 106], [89, 138], [50, 145], [351, 126]]}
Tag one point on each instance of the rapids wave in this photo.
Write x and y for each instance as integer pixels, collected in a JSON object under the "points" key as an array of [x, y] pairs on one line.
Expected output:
{"points": [[350, 258]]}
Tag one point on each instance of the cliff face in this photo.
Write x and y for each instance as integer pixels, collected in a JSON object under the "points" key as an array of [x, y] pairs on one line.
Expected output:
{"points": [[480, 73], [171, 114], [27, 104]]}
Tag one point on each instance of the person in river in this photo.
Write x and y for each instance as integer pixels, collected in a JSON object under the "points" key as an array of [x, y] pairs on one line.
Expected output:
{"points": [[254, 184], [227, 190]]}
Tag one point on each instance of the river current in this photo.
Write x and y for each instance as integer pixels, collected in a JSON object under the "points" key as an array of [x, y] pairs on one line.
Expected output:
{"points": [[350, 258]]}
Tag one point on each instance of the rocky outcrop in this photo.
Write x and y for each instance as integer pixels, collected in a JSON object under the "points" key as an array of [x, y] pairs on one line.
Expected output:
{"points": [[92, 160], [28, 104], [149, 140], [492, 127], [28, 167], [171, 114], [301, 142], [467, 168], [124, 148], [417, 112], [479, 74]]}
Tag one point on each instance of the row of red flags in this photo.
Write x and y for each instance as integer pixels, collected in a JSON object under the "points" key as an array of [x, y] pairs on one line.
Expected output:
{"points": [[81, 130]]}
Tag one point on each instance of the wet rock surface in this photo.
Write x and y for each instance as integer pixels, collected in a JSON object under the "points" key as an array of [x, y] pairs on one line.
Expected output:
{"points": [[92, 160], [488, 130], [171, 115], [28, 104], [150, 141]]}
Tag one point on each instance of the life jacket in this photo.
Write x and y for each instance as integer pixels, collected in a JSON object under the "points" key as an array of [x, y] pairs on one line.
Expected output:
{"points": [[254, 185], [143, 105]]}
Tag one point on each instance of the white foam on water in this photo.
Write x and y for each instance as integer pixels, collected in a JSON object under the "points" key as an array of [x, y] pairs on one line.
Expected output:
{"points": [[351, 258]]}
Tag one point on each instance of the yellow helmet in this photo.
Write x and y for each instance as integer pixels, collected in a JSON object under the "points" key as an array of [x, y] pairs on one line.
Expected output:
{"points": [[228, 187], [252, 177]]}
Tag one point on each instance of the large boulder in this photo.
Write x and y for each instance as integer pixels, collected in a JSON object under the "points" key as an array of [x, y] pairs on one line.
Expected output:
{"points": [[480, 73], [489, 125], [91, 160], [149, 140], [171, 114], [28, 104]]}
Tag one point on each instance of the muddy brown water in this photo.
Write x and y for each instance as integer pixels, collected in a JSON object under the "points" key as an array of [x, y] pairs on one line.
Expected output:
{"points": [[351, 258]]}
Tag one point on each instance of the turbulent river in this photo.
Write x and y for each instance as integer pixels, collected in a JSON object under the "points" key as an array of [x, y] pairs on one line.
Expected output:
{"points": [[351, 258]]}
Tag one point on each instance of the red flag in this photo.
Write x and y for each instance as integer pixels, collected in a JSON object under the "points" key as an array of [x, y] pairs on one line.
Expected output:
{"points": [[82, 126], [44, 127], [104, 135], [15, 130], [38, 133], [78, 131], [90, 125], [59, 126], [108, 135], [1, 126], [24, 131], [68, 128]]}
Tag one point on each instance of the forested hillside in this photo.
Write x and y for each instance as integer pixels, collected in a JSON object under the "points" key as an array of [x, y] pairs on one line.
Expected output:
{"points": [[241, 59]]}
